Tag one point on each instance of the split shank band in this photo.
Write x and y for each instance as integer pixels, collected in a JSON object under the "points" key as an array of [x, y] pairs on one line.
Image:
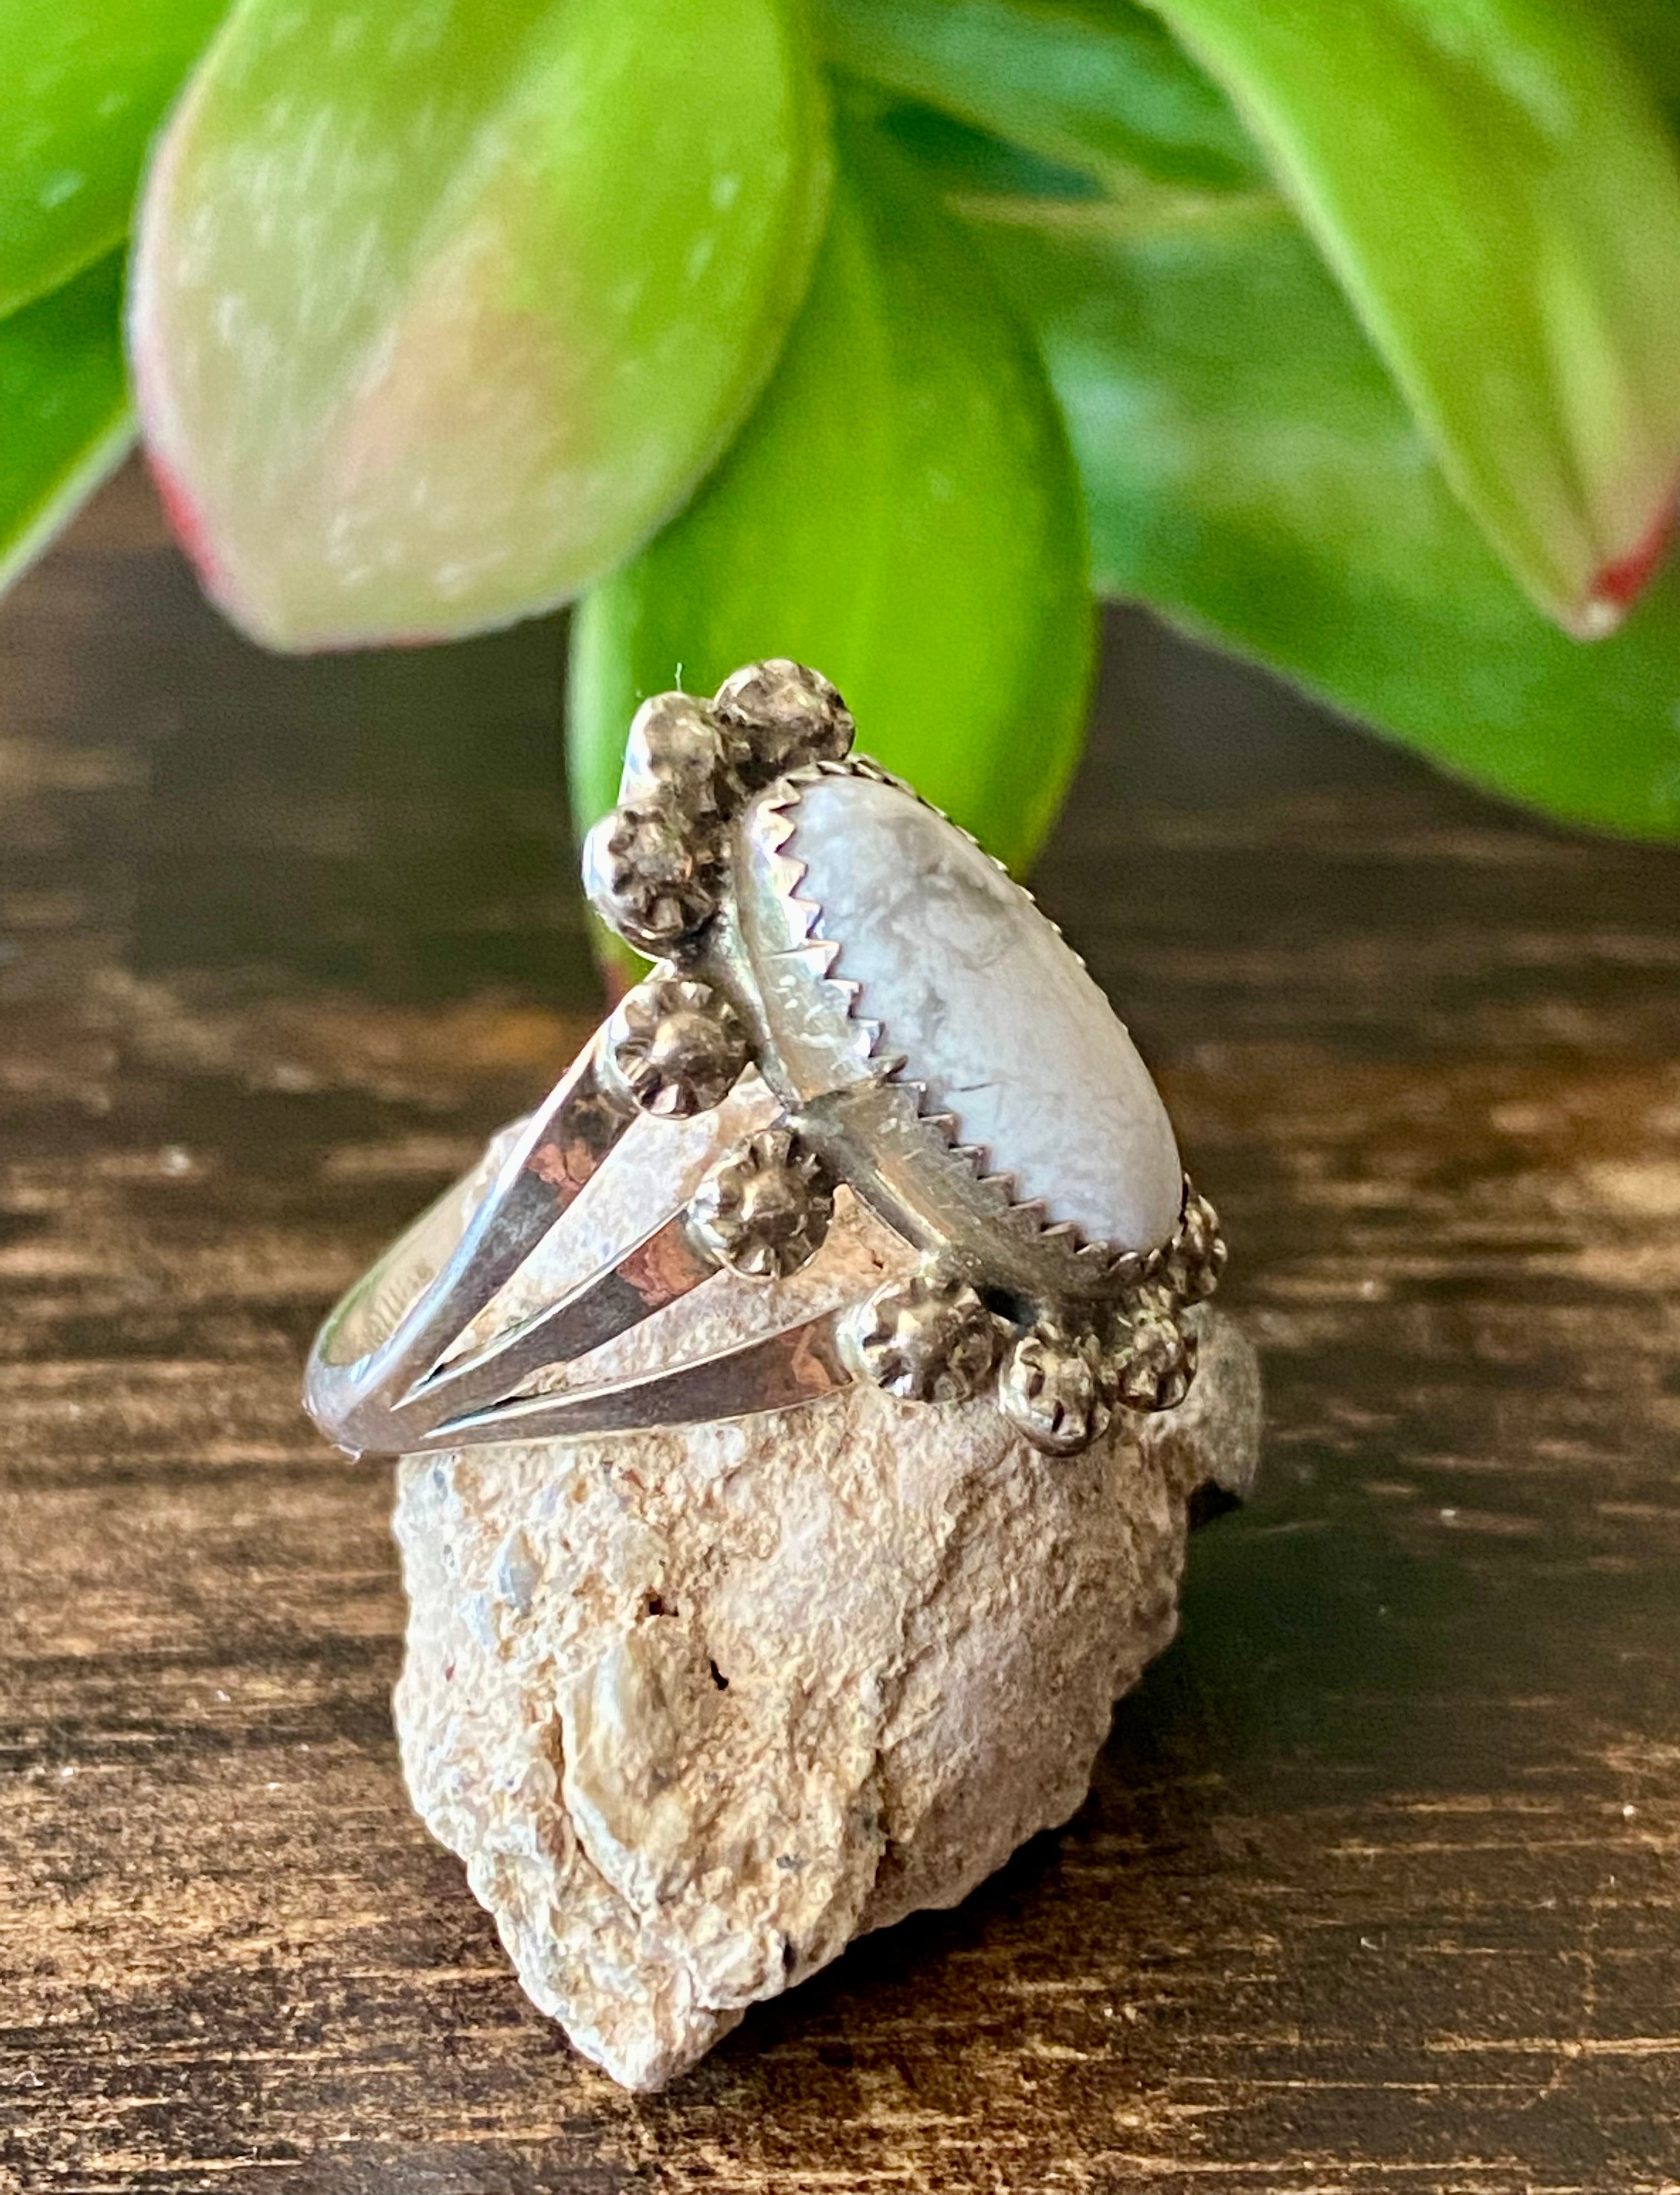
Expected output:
{"points": [[710, 865]]}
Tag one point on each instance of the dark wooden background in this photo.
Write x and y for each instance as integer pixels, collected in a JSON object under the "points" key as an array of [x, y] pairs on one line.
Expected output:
{"points": [[1376, 1889]]}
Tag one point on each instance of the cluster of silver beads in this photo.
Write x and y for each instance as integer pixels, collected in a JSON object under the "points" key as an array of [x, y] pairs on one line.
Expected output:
{"points": [[764, 1210], [1052, 1387], [1151, 1358], [674, 1047], [925, 1339], [1058, 1380], [652, 866], [1192, 1261]]}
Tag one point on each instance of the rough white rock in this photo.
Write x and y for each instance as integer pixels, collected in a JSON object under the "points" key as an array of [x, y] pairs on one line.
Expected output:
{"points": [[993, 1010], [696, 1709]]}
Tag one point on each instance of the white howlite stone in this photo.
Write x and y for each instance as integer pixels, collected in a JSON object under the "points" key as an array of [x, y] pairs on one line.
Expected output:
{"points": [[697, 1707], [992, 1010]]}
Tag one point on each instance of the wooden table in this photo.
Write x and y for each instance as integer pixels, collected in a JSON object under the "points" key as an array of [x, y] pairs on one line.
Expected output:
{"points": [[1376, 1889]]}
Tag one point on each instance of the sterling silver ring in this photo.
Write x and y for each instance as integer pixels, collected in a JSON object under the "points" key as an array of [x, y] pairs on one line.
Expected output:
{"points": [[855, 1014]]}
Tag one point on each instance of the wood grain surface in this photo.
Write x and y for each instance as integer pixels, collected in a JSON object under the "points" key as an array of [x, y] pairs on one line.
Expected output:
{"points": [[1378, 1887]]}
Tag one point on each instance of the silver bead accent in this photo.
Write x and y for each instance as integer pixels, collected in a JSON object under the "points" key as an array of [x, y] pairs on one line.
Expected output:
{"points": [[1152, 1360], [1196, 1257], [1049, 1389], [677, 755], [924, 1339], [784, 714], [675, 1048], [764, 1211], [646, 878]]}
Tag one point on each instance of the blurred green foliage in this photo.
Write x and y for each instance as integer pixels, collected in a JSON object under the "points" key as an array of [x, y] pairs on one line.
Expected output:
{"points": [[1250, 469], [903, 509], [1360, 318], [83, 86], [438, 311], [64, 407]]}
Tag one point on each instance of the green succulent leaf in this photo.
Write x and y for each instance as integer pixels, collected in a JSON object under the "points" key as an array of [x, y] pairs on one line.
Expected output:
{"points": [[439, 311], [1649, 30], [1098, 85], [1497, 192], [63, 406], [85, 83], [1250, 469], [901, 511]]}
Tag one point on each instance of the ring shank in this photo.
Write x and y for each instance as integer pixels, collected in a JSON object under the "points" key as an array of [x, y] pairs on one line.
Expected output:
{"points": [[402, 1363], [395, 1326]]}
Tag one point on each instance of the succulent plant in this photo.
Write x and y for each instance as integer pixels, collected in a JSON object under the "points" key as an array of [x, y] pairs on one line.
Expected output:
{"points": [[813, 325]]}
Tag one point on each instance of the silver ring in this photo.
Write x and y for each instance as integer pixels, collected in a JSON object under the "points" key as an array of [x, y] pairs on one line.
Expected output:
{"points": [[854, 1013]]}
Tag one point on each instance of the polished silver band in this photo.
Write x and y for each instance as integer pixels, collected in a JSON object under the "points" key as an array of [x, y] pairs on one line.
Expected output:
{"points": [[422, 1386]]}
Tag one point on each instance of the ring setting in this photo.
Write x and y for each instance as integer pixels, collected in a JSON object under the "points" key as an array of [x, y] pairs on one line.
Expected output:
{"points": [[924, 1043]]}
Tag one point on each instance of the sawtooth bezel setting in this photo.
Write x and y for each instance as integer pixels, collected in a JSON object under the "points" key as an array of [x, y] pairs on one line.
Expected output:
{"points": [[1098, 1324]]}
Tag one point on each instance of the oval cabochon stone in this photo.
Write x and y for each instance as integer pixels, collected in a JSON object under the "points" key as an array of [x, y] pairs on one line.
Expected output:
{"points": [[992, 1010]]}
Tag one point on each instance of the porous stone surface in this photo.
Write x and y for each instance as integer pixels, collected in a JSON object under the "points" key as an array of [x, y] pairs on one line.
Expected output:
{"points": [[992, 1010], [698, 1708]]}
